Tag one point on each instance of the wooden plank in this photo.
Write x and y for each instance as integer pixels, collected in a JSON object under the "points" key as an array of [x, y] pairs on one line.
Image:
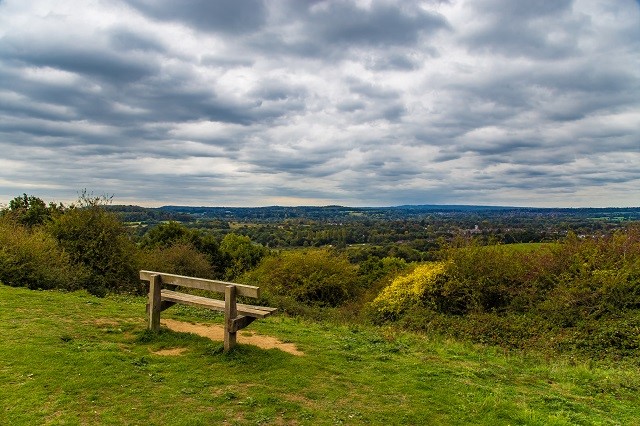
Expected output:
{"points": [[154, 302], [258, 308], [202, 284], [218, 305], [230, 314], [241, 322]]}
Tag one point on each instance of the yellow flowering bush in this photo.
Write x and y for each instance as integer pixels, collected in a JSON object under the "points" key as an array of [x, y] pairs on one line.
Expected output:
{"points": [[407, 290]]}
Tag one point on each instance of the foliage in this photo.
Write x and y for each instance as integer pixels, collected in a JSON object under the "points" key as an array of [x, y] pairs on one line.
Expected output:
{"points": [[169, 233], [312, 277], [580, 295], [240, 254], [408, 290], [195, 247], [33, 258], [98, 241], [403, 230], [374, 268], [30, 210], [179, 258]]}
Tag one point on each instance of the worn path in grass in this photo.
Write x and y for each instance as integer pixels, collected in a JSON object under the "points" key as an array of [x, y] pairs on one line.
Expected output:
{"points": [[216, 333]]}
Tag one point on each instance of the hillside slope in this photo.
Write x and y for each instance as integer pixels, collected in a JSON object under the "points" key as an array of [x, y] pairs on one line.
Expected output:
{"points": [[71, 358]]}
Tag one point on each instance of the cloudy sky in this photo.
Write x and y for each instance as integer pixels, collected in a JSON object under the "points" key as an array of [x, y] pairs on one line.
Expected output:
{"points": [[291, 102]]}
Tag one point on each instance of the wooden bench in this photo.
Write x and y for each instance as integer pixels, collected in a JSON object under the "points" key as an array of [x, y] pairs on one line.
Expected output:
{"points": [[236, 315]]}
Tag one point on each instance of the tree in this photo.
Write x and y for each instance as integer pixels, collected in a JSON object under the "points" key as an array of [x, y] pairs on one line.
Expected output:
{"points": [[171, 234], [240, 254], [29, 210], [98, 240]]}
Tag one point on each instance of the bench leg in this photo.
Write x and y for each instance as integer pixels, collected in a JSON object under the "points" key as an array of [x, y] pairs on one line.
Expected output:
{"points": [[230, 313], [154, 303]]}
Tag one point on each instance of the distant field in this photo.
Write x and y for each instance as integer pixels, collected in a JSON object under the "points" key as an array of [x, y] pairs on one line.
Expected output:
{"points": [[71, 358]]}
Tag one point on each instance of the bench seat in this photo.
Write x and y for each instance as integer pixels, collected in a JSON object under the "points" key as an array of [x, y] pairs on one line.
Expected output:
{"points": [[218, 305]]}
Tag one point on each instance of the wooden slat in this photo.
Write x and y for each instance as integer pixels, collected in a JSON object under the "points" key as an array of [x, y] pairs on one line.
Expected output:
{"points": [[260, 308], [218, 305], [202, 284], [154, 302], [241, 322], [230, 314]]}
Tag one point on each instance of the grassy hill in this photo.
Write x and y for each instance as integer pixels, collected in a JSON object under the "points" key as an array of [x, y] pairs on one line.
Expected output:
{"points": [[72, 358]]}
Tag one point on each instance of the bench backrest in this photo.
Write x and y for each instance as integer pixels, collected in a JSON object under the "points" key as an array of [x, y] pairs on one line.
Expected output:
{"points": [[202, 284]]}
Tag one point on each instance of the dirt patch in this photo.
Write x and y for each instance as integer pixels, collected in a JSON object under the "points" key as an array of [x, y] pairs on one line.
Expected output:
{"points": [[103, 322], [171, 352], [216, 332]]}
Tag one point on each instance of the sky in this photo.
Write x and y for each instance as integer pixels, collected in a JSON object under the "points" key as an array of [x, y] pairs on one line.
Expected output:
{"points": [[292, 102]]}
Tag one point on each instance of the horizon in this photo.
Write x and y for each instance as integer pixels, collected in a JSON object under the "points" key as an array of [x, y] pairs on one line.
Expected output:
{"points": [[155, 205], [358, 102]]}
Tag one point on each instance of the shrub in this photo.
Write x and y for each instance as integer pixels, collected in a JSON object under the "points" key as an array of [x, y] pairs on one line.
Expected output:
{"points": [[33, 259], [582, 294], [374, 268], [167, 234], [97, 240], [408, 290], [170, 234], [498, 278], [240, 254], [312, 277], [180, 258]]}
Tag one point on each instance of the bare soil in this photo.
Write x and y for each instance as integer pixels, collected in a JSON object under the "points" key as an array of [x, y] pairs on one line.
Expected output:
{"points": [[171, 352], [216, 333]]}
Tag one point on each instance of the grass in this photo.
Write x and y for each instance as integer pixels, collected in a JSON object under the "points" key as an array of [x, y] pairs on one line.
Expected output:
{"points": [[71, 358]]}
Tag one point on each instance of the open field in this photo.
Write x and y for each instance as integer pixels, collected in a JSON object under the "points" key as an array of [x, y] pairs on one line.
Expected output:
{"points": [[71, 358]]}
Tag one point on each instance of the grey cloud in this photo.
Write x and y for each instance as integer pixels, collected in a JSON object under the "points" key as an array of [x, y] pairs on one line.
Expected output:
{"points": [[372, 90], [394, 61], [226, 62], [381, 25], [394, 112], [336, 30], [227, 16], [275, 90], [502, 147], [524, 28], [293, 99], [351, 105], [123, 39], [531, 9], [106, 65]]}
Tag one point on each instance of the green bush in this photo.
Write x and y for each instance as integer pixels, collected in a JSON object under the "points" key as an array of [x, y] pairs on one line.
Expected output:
{"points": [[239, 254], [373, 269], [581, 294], [612, 336], [167, 234], [180, 258], [33, 259], [312, 277], [97, 240], [162, 239]]}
